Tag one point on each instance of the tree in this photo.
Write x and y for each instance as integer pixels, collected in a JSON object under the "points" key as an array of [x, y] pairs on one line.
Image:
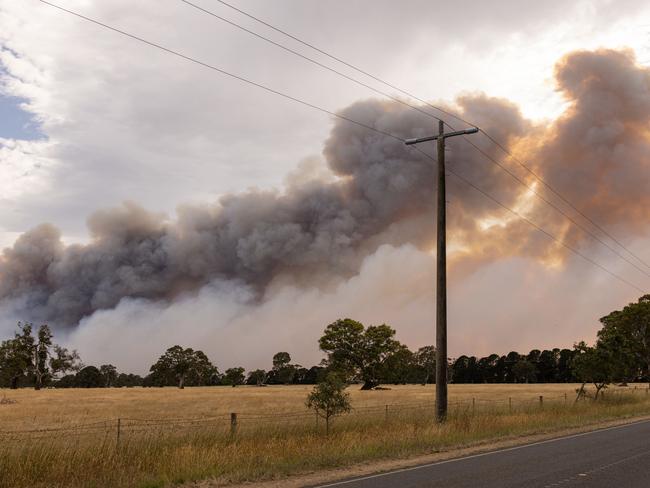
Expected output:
{"points": [[128, 380], [63, 361], [499, 369], [547, 366], [89, 377], [533, 356], [41, 354], [234, 376], [109, 374], [624, 364], [311, 376], [300, 376], [460, 370], [425, 361], [564, 368], [67, 381], [34, 359], [357, 352], [281, 359], [627, 331], [510, 360], [329, 399], [283, 371], [524, 371], [256, 377], [16, 356], [491, 369], [399, 367], [593, 365], [178, 365]]}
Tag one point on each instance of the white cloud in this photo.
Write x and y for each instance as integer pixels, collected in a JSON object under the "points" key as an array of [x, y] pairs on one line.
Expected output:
{"points": [[25, 169]]}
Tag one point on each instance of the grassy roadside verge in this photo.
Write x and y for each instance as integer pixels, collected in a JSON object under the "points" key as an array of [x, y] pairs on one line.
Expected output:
{"points": [[265, 452], [379, 466]]}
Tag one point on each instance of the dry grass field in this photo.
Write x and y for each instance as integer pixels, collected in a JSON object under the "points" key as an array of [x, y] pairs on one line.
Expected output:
{"points": [[72, 406], [170, 436]]}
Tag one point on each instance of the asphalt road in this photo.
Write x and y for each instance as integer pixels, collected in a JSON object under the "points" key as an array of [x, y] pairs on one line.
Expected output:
{"points": [[616, 457]]}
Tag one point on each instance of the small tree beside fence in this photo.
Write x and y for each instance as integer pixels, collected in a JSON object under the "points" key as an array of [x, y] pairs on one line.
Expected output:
{"points": [[329, 399]]}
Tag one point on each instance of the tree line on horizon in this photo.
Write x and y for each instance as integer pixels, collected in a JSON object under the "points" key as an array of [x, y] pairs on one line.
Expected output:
{"points": [[370, 356]]}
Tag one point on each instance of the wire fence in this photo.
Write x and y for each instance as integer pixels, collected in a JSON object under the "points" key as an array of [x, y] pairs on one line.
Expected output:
{"points": [[230, 424]]}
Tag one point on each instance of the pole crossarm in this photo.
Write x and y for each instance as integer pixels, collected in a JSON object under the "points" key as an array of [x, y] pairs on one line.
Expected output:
{"points": [[417, 140]]}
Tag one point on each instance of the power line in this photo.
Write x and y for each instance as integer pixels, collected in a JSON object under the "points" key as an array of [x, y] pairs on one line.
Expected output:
{"points": [[349, 65], [446, 112], [306, 58], [533, 224], [559, 195], [555, 207], [219, 70], [490, 158], [307, 104]]}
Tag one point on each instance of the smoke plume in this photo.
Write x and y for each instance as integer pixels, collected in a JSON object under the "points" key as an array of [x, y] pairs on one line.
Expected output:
{"points": [[319, 229]]}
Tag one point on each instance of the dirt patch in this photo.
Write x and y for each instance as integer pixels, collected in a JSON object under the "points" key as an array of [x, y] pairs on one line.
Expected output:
{"points": [[374, 467]]}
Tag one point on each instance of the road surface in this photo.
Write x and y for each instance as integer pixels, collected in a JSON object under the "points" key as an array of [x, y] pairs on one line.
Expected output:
{"points": [[616, 457]]}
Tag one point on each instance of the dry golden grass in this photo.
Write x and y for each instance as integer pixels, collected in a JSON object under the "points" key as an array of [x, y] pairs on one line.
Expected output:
{"points": [[264, 448], [72, 406]]}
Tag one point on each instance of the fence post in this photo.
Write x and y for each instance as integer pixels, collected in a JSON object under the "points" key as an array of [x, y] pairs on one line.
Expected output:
{"points": [[510, 404], [119, 425], [541, 401], [233, 423], [473, 405], [565, 398]]}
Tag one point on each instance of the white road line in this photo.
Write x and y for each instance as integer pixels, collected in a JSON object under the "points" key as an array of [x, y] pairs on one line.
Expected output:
{"points": [[508, 449], [601, 468]]}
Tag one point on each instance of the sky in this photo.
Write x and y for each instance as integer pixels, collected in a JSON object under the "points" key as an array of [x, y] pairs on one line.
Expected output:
{"points": [[90, 119]]}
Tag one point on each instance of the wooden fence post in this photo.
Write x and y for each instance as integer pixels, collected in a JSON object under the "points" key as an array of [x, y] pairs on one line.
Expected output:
{"points": [[565, 398], [473, 405], [119, 425], [233, 423], [541, 401]]}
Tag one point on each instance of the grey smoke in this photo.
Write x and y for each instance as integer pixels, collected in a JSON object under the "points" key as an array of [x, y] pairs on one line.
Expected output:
{"points": [[382, 193], [311, 228]]}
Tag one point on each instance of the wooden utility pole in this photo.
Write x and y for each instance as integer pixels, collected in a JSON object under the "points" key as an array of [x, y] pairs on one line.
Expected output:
{"points": [[441, 282], [441, 268]]}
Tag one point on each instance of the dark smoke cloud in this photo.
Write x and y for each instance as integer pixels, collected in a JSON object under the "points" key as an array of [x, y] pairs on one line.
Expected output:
{"points": [[383, 192]]}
